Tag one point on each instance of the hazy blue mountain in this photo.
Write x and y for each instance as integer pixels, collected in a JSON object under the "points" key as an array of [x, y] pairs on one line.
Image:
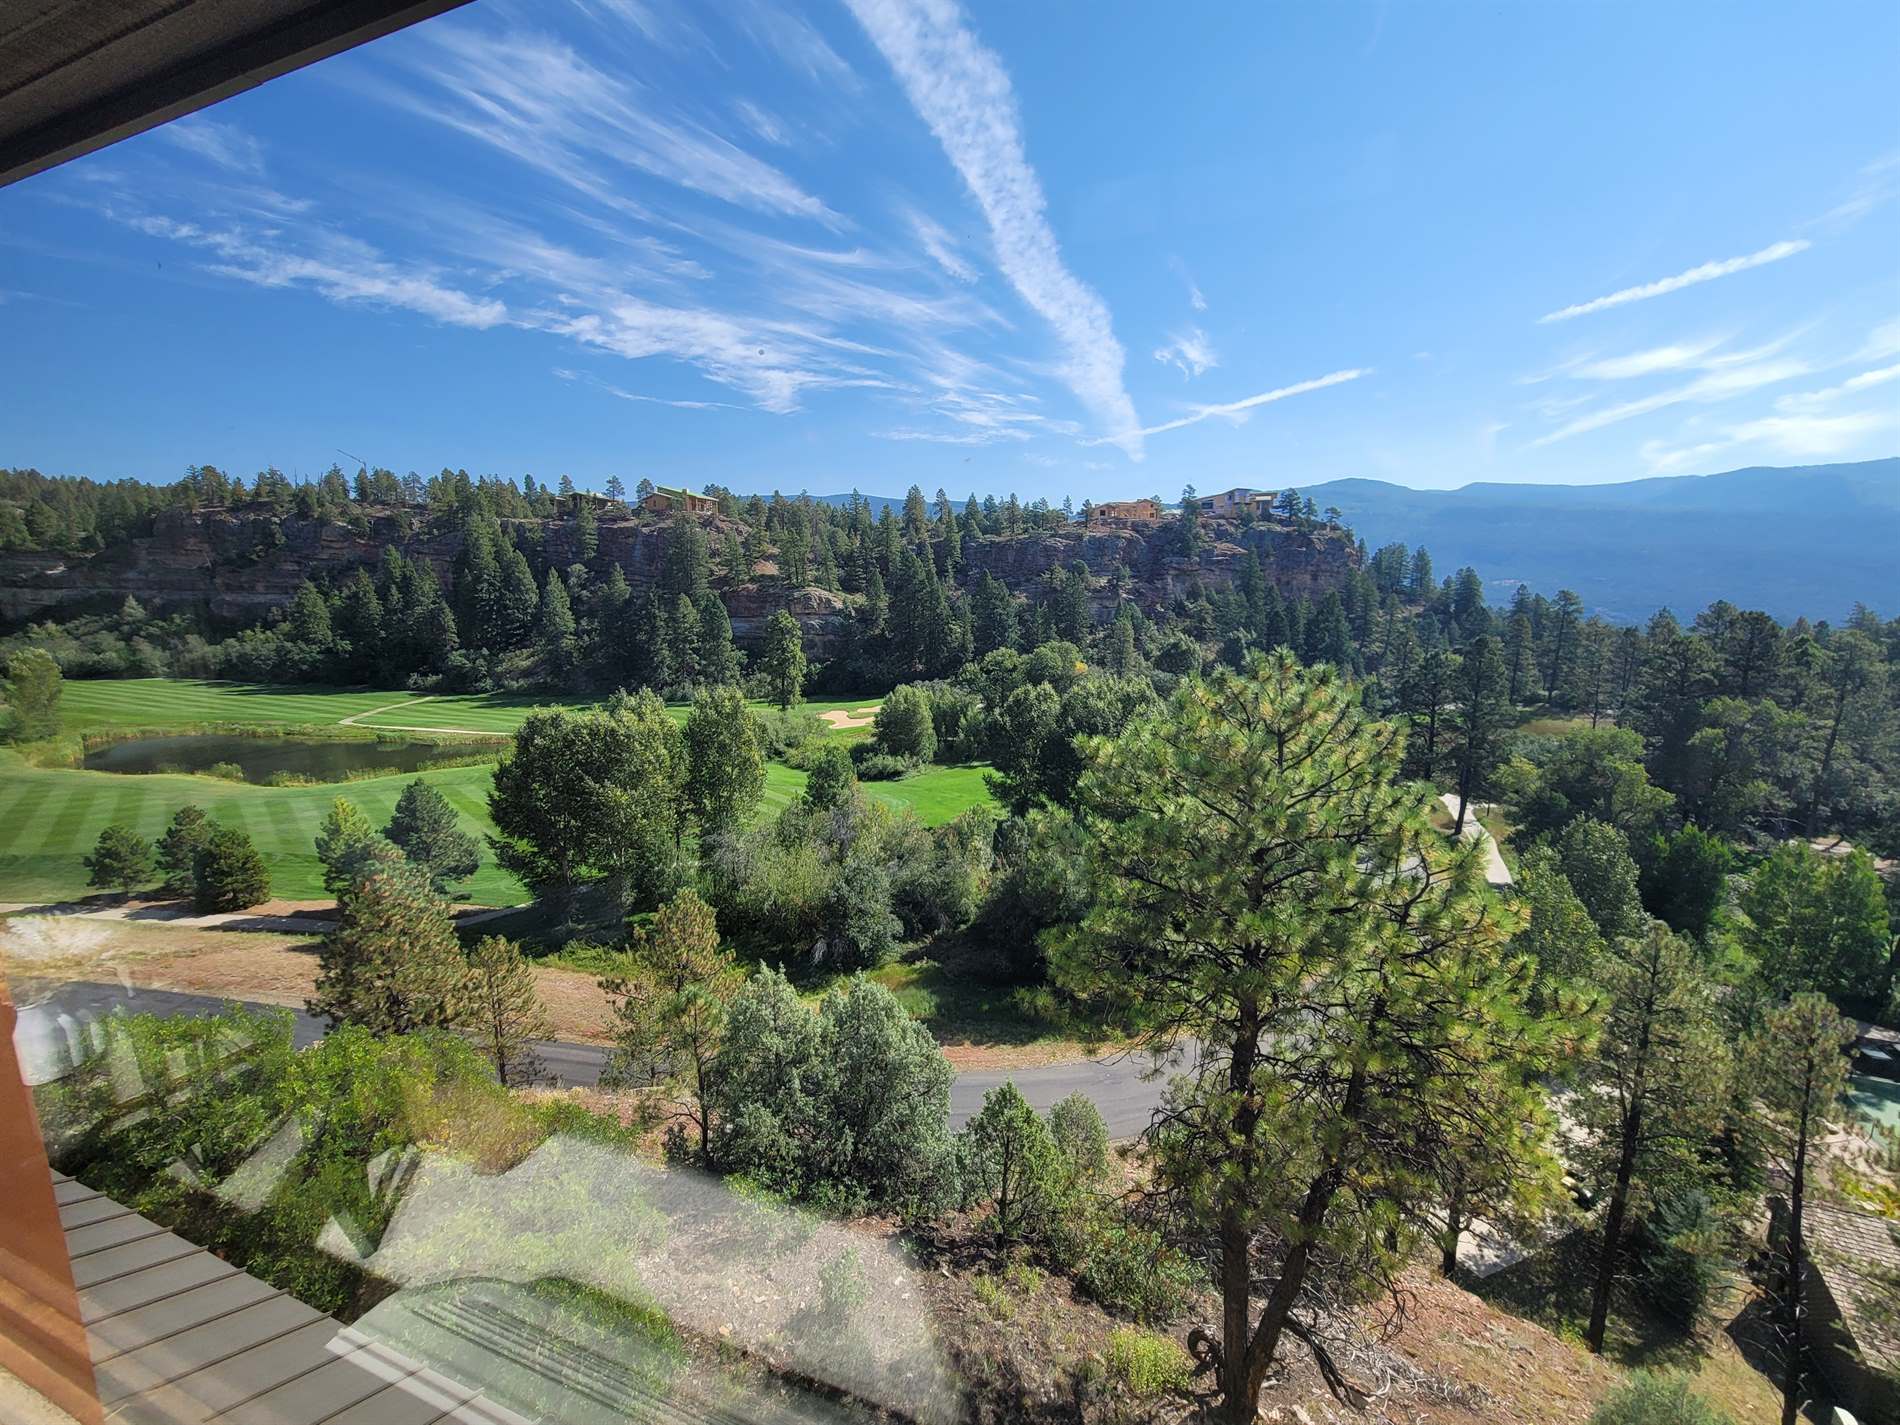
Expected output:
{"points": [[1802, 540]]}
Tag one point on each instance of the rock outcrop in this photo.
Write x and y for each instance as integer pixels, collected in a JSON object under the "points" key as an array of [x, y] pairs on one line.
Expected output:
{"points": [[237, 564]]}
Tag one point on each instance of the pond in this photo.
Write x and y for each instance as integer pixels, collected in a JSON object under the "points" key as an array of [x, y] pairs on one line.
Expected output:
{"points": [[259, 759], [1878, 1100]]}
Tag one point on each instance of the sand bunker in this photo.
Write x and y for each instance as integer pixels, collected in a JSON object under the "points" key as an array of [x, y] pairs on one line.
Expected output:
{"points": [[838, 717]]}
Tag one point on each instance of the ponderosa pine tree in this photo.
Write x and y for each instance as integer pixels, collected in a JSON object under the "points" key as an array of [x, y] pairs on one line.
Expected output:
{"points": [[504, 1011], [670, 999], [392, 964], [1799, 1066], [1653, 1092], [1247, 846], [347, 845], [1480, 720], [428, 832]]}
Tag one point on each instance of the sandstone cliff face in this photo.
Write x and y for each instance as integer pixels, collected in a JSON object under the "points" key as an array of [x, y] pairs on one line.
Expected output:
{"points": [[238, 564], [1299, 564]]}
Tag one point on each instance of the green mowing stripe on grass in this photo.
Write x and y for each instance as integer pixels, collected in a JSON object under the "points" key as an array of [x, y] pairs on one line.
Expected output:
{"points": [[65, 832], [99, 705], [129, 804], [285, 824], [22, 813], [51, 817]]}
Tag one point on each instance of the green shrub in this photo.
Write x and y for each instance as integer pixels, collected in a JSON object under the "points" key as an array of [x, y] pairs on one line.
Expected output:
{"points": [[1129, 1269], [1651, 1398], [783, 733], [845, 1109], [1081, 1137], [1147, 1365], [875, 766], [225, 771]]}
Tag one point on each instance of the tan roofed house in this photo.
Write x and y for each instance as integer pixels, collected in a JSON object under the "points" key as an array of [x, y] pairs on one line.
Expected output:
{"points": [[664, 500], [1115, 513], [1230, 504]]}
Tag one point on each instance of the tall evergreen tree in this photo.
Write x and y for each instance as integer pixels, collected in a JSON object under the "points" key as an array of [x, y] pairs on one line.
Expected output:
{"points": [[1481, 722], [1251, 841], [178, 848], [554, 629], [670, 998], [784, 659], [992, 615], [428, 832], [121, 860], [1652, 1093], [503, 1010], [392, 963], [1799, 1062]]}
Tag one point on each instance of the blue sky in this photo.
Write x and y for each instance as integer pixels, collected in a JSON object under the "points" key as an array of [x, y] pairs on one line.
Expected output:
{"points": [[1057, 248]]}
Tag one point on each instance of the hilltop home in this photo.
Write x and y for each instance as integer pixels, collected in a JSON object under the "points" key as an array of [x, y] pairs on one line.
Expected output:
{"points": [[1230, 504], [1112, 514], [664, 501]]}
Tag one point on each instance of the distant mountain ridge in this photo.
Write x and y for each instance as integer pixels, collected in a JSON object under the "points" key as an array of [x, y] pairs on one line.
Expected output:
{"points": [[1794, 540], [1803, 540]]}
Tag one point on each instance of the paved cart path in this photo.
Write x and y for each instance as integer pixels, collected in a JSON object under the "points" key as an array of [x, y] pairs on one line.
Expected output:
{"points": [[1115, 1084]]}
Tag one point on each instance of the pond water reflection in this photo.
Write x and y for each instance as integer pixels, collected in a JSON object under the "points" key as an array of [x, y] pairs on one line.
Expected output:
{"points": [[258, 759]]}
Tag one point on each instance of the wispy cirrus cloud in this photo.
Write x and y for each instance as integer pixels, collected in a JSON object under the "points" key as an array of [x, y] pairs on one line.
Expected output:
{"points": [[226, 145], [1795, 437], [1876, 185], [762, 123], [1706, 272], [795, 40], [563, 373], [1194, 295], [955, 437], [961, 90], [336, 267], [1189, 352], [939, 247], [1238, 411], [537, 100], [1719, 384], [1657, 359], [1852, 386]]}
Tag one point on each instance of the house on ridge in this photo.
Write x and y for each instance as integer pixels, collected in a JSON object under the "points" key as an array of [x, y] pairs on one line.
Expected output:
{"points": [[665, 501]]}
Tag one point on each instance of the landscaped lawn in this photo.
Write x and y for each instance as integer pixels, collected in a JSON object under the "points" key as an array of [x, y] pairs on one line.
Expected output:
{"points": [[50, 817]]}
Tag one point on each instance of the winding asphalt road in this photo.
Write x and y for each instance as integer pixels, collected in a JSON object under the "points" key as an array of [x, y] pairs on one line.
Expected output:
{"points": [[1115, 1084]]}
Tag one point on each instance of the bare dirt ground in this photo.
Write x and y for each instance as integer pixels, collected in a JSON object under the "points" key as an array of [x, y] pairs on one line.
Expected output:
{"points": [[271, 968], [280, 967]]}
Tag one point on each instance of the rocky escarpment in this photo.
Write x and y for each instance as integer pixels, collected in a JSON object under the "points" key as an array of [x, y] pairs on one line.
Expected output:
{"points": [[1299, 563], [239, 563]]}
